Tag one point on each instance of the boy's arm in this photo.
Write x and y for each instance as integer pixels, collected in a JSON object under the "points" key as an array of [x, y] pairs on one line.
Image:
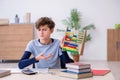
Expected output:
{"points": [[25, 60], [64, 58]]}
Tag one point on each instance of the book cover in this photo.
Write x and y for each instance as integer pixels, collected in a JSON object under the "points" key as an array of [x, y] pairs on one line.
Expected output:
{"points": [[79, 70], [4, 73], [70, 74], [100, 72], [77, 65]]}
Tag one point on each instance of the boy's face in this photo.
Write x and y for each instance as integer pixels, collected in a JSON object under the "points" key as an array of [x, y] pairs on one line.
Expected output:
{"points": [[44, 32]]}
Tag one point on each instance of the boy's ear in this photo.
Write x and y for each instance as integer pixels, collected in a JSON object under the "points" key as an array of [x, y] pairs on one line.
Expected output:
{"points": [[52, 30]]}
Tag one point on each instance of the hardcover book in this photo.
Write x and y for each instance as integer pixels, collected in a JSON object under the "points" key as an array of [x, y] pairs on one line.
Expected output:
{"points": [[4, 73], [77, 65], [79, 70], [75, 75]]}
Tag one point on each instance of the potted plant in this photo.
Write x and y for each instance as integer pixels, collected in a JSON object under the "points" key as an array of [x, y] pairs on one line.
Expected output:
{"points": [[117, 26], [74, 23]]}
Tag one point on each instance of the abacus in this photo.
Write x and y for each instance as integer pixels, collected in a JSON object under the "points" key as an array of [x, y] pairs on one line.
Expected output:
{"points": [[72, 41]]}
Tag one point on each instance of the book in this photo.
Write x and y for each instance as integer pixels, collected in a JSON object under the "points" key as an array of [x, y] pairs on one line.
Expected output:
{"points": [[100, 72], [79, 70], [4, 73], [78, 65], [75, 75]]}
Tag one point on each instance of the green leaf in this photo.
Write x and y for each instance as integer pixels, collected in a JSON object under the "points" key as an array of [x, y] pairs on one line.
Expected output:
{"points": [[88, 27], [65, 22], [88, 37]]}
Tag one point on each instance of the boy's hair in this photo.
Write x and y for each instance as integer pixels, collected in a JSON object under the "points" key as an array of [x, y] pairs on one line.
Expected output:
{"points": [[45, 21]]}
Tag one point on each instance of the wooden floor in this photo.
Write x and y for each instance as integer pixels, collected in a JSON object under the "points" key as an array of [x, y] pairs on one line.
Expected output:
{"points": [[113, 66]]}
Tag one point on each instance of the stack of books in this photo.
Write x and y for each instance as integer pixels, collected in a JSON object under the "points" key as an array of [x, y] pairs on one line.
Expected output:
{"points": [[77, 70]]}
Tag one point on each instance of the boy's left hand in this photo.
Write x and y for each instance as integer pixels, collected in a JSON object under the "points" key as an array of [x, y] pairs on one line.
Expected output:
{"points": [[62, 42], [42, 57]]}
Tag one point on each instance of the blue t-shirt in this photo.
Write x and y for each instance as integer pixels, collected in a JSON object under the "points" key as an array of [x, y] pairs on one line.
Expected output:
{"points": [[35, 47]]}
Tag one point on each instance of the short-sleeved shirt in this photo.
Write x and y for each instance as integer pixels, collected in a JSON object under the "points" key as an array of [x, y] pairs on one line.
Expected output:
{"points": [[36, 48]]}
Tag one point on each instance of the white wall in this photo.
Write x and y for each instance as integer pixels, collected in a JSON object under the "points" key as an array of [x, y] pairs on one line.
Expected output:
{"points": [[102, 13]]}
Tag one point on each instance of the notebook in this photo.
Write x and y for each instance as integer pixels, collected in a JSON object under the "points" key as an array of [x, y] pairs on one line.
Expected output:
{"points": [[99, 72]]}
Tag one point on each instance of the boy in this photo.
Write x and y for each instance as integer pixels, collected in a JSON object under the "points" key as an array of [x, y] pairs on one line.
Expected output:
{"points": [[46, 50]]}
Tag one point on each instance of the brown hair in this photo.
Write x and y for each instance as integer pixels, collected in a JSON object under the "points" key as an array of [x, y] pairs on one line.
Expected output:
{"points": [[45, 21]]}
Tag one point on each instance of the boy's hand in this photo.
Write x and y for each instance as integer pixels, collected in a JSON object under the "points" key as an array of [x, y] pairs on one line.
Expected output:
{"points": [[42, 57], [62, 42]]}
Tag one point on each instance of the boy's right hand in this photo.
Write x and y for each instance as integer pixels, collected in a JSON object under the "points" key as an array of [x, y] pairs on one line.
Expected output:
{"points": [[42, 57]]}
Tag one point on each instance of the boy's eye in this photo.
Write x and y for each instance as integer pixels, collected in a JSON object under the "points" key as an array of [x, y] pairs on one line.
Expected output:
{"points": [[39, 29], [42, 29]]}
